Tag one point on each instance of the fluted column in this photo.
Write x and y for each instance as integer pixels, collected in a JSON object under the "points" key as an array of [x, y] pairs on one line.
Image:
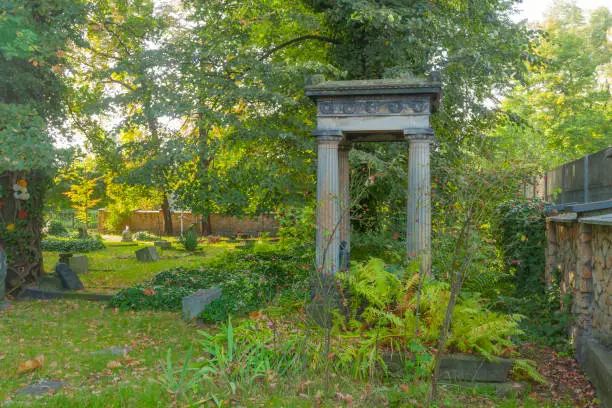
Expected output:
{"points": [[328, 201], [345, 202], [418, 239]]}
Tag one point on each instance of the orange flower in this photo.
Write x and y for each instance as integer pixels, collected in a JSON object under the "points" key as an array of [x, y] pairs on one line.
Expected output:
{"points": [[10, 227], [22, 183]]}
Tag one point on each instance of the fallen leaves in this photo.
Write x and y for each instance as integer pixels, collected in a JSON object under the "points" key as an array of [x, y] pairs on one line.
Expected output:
{"points": [[31, 365]]}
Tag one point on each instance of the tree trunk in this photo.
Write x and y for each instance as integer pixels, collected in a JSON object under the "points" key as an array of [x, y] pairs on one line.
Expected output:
{"points": [[165, 208], [206, 227]]}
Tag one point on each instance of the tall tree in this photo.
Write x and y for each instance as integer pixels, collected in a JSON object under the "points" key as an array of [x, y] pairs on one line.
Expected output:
{"points": [[563, 108]]}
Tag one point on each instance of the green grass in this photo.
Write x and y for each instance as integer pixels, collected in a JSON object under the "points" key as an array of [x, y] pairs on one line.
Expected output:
{"points": [[70, 334], [116, 266]]}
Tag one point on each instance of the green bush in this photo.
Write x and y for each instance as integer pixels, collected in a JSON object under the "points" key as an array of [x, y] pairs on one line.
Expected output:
{"points": [[249, 278], [56, 229], [72, 245], [189, 240], [144, 236], [521, 229]]}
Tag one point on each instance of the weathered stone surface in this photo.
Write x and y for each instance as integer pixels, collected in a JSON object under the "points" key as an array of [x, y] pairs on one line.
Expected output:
{"points": [[41, 387], [463, 367], [126, 235], [598, 366], [163, 244], [194, 304], [79, 264], [3, 273], [69, 279], [147, 254], [50, 283], [114, 351]]}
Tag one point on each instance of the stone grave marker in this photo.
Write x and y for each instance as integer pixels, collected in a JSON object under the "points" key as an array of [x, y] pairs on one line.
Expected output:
{"points": [[163, 244], [194, 304], [69, 279], [3, 273], [126, 236], [464, 367], [147, 254], [79, 264], [41, 387]]}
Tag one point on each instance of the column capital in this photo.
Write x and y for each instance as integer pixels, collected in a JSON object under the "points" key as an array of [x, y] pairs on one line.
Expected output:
{"points": [[425, 135], [328, 135]]}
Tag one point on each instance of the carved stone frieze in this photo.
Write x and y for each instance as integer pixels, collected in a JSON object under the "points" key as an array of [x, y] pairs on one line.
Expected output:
{"points": [[372, 107]]}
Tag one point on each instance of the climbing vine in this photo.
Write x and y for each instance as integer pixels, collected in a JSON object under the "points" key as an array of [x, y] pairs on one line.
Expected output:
{"points": [[21, 197]]}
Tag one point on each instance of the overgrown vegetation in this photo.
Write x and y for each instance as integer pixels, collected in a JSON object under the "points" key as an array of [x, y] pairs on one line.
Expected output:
{"points": [[249, 278], [75, 245]]}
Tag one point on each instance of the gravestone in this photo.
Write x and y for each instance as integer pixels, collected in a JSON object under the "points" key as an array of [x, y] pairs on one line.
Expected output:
{"points": [[464, 367], [3, 273], [147, 254], [126, 236], [41, 387], [69, 279], [65, 258], [194, 304], [79, 264], [163, 244]]}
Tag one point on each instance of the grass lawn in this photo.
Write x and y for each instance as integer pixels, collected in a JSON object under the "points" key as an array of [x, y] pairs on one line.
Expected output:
{"points": [[74, 337], [116, 266]]}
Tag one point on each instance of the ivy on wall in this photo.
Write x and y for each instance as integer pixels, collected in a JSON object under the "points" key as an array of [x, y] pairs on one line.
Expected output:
{"points": [[21, 196]]}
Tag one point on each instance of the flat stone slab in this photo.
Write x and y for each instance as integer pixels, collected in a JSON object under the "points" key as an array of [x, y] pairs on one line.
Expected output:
{"points": [[598, 367], [69, 278], [147, 254], [50, 283], [79, 264], [465, 367], [114, 351], [42, 387], [194, 304], [37, 293], [163, 244]]}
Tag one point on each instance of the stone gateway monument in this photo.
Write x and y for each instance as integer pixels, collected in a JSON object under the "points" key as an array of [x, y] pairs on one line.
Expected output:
{"points": [[396, 110]]}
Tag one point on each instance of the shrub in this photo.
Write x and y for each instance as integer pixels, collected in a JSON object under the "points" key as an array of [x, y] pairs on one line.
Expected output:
{"points": [[72, 245], [144, 236], [248, 278], [189, 240], [56, 229]]}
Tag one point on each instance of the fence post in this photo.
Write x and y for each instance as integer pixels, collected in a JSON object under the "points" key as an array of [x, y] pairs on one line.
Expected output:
{"points": [[563, 184], [586, 178]]}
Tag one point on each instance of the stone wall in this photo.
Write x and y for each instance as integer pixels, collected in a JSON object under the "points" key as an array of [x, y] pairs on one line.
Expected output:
{"points": [[153, 222], [581, 254]]}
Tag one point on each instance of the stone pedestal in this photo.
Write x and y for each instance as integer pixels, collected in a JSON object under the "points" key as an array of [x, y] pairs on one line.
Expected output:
{"points": [[328, 202], [418, 227]]}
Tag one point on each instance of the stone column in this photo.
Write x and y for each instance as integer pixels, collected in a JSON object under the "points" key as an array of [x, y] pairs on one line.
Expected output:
{"points": [[328, 201], [345, 202], [418, 228]]}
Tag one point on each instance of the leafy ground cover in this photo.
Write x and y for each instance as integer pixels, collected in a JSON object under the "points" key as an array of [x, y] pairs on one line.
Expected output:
{"points": [[116, 267], [74, 337]]}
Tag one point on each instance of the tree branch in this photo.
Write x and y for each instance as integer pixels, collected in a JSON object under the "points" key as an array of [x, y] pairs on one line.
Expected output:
{"points": [[296, 40]]}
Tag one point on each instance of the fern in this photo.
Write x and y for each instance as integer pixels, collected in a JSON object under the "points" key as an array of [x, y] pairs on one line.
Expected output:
{"points": [[525, 369]]}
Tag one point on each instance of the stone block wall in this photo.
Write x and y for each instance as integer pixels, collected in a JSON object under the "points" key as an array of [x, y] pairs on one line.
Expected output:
{"points": [[153, 222], [581, 254]]}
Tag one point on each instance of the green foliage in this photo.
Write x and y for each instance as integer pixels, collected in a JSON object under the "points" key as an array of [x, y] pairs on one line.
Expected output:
{"points": [[144, 236], [248, 279], [521, 230], [189, 240], [385, 245], [525, 369], [56, 229], [184, 380], [386, 304], [74, 245]]}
